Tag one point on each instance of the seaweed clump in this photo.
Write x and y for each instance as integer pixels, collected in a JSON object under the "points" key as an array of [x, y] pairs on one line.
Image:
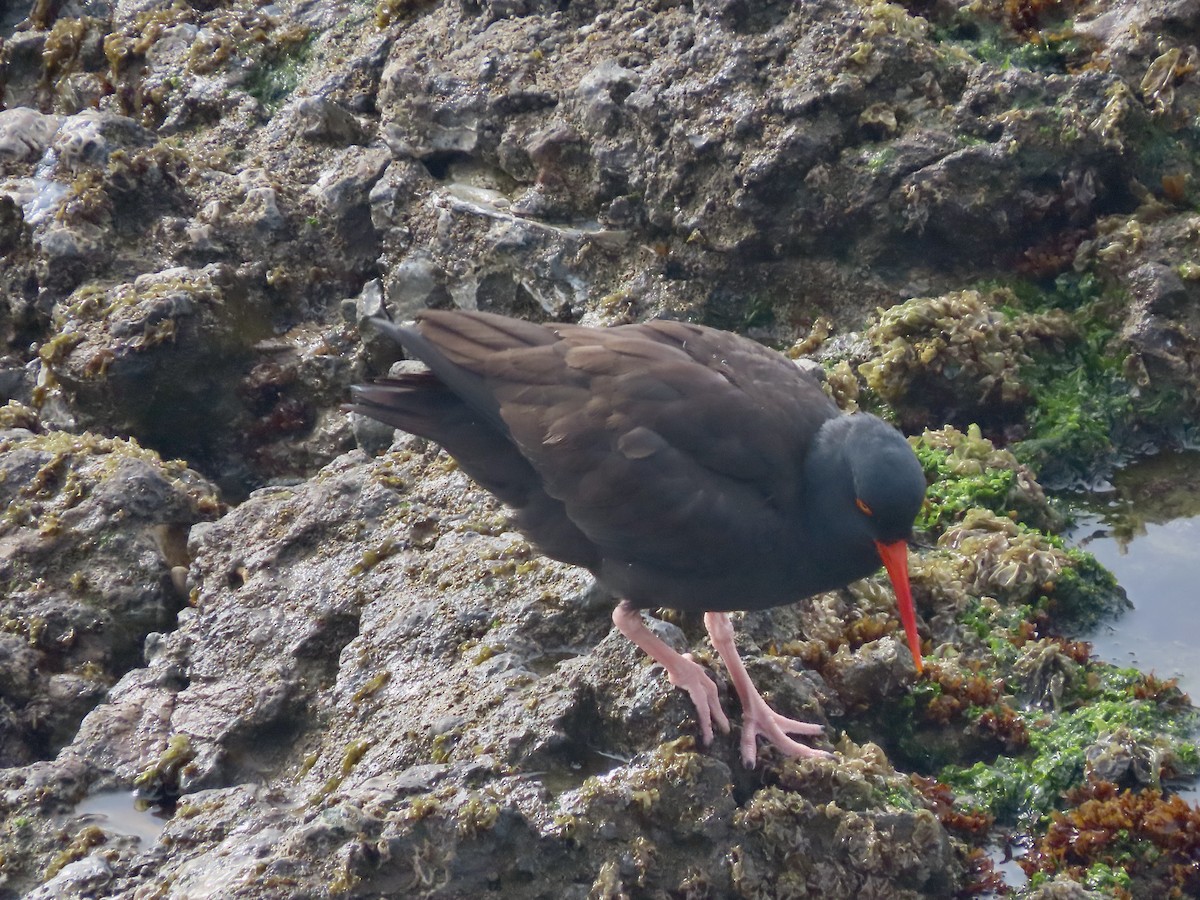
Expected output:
{"points": [[1040, 369], [1128, 843], [959, 357], [1092, 722], [967, 471], [1011, 721]]}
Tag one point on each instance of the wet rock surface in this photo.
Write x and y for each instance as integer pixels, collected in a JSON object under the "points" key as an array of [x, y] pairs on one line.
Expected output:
{"points": [[372, 665], [93, 557], [359, 680]]}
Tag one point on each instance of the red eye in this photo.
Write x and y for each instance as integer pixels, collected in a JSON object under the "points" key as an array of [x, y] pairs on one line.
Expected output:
{"points": [[863, 506]]}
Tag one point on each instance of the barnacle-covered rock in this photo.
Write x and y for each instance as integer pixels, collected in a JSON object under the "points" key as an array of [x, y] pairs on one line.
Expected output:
{"points": [[1043, 673], [76, 171], [957, 356], [837, 831], [997, 557], [24, 134], [232, 57], [1152, 254], [158, 357]]}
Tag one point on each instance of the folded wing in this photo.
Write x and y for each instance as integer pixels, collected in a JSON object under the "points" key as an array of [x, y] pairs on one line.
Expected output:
{"points": [[670, 431]]}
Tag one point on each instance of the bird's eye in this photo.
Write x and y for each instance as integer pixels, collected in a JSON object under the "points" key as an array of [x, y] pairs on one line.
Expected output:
{"points": [[863, 506]]}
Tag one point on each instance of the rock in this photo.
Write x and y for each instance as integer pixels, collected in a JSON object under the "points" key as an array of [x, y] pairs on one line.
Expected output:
{"points": [[318, 119], [1161, 325], [342, 192], [81, 878], [381, 689], [24, 134], [415, 284], [101, 520], [164, 356], [1063, 888], [87, 140], [433, 666]]}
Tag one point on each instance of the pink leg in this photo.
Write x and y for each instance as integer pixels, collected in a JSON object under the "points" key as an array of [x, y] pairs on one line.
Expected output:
{"points": [[682, 671], [757, 717]]}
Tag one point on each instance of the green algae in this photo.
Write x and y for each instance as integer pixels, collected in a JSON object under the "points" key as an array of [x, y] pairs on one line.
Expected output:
{"points": [[1040, 363], [1086, 593], [1083, 406], [1009, 720], [1063, 747], [1086, 407], [161, 779], [964, 471], [278, 73]]}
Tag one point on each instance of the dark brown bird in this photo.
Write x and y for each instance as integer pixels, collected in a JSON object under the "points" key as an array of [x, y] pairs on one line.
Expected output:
{"points": [[683, 466]]}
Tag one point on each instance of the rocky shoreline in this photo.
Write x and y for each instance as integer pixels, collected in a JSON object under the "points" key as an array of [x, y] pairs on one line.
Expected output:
{"points": [[323, 652]]}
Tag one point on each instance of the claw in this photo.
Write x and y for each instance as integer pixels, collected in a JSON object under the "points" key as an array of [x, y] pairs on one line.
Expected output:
{"points": [[689, 675], [762, 721]]}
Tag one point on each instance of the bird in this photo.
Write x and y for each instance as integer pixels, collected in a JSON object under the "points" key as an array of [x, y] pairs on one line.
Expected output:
{"points": [[683, 466]]}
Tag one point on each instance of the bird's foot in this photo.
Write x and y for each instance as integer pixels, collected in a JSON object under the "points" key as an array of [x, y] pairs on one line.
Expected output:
{"points": [[687, 674], [682, 671], [759, 720]]}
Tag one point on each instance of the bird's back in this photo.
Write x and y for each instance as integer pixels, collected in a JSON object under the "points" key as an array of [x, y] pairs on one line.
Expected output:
{"points": [[666, 457]]}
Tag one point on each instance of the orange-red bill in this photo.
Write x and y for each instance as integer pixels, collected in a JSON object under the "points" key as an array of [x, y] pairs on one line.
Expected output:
{"points": [[895, 560]]}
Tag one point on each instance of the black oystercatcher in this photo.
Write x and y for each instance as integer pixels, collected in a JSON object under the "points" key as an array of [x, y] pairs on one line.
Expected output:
{"points": [[685, 467]]}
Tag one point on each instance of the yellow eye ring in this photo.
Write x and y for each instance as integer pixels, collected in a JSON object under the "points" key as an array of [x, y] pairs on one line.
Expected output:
{"points": [[863, 506]]}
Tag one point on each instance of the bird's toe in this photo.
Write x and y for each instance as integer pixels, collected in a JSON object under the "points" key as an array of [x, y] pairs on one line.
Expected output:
{"points": [[794, 726], [773, 727], [705, 697]]}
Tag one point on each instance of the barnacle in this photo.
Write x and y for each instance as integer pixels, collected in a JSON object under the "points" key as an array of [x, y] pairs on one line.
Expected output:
{"points": [[961, 348]]}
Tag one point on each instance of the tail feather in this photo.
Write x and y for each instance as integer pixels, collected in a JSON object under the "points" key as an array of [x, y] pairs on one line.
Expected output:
{"points": [[417, 403], [421, 404], [450, 368], [452, 405], [465, 340]]}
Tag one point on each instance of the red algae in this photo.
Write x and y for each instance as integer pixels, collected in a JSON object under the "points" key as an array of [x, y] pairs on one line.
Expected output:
{"points": [[1153, 838]]}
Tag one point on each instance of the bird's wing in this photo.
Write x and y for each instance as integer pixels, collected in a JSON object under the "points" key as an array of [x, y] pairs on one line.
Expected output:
{"points": [[421, 403], [656, 438]]}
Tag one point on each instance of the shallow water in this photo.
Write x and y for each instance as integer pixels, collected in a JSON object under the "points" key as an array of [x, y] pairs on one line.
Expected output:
{"points": [[121, 812], [1145, 529]]}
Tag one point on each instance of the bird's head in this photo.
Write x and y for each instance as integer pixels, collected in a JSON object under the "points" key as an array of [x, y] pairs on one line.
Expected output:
{"points": [[889, 488]]}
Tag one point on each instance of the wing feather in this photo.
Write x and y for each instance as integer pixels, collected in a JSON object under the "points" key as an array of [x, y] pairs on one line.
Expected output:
{"points": [[655, 438]]}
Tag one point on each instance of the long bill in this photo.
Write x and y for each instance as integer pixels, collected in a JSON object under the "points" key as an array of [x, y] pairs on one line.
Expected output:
{"points": [[895, 560]]}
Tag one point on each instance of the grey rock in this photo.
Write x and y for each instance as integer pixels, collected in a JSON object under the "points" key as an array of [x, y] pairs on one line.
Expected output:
{"points": [[177, 264], [25, 134], [85, 877], [319, 119], [86, 512]]}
